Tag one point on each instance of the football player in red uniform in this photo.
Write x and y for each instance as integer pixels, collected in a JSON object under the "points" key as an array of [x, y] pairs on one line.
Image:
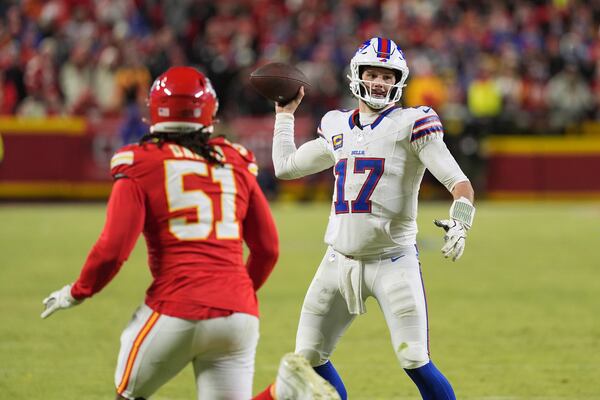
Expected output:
{"points": [[196, 200]]}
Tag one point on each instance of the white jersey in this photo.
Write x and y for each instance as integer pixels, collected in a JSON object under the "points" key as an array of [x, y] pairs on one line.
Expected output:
{"points": [[378, 170]]}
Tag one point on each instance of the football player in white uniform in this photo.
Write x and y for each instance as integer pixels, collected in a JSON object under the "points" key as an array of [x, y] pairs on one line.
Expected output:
{"points": [[379, 153]]}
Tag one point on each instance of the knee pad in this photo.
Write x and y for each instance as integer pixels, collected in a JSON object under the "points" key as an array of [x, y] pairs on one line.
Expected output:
{"points": [[313, 356], [412, 355], [309, 343]]}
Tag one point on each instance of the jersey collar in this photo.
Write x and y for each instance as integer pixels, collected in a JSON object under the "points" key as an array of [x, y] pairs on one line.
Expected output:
{"points": [[354, 119]]}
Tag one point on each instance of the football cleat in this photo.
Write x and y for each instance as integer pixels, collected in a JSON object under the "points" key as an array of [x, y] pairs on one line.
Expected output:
{"points": [[297, 380]]}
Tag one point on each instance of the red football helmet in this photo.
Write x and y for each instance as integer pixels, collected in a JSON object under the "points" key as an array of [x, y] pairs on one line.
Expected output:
{"points": [[182, 100]]}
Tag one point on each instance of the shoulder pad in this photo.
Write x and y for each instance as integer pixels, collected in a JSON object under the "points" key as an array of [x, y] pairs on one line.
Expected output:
{"points": [[422, 111], [426, 122], [122, 160], [236, 153], [243, 152], [425, 109], [330, 118], [329, 115]]}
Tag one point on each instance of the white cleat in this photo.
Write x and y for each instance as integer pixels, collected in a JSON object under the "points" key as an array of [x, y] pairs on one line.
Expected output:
{"points": [[297, 380]]}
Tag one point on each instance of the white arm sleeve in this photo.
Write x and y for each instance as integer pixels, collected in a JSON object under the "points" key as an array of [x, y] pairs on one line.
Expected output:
{"points": [[437, 159], [291, 163]]}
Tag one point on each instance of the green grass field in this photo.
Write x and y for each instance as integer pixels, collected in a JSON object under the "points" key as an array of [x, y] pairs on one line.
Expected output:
{"points": [[518, 317]]}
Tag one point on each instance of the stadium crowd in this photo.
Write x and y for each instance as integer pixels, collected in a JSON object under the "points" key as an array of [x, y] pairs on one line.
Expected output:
{"points": [[505, 67]]}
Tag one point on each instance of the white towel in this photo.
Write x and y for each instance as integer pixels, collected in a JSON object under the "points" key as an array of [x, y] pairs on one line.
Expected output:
{"points": [[350, 278]]}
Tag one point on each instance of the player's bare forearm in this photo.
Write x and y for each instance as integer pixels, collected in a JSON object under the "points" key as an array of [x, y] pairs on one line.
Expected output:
{"points": [[463, 189]]}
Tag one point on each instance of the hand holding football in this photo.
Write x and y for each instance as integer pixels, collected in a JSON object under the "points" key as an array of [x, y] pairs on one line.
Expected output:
{"points": [[278, 81]]}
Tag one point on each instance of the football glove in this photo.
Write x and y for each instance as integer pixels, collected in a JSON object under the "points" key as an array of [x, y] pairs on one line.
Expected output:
{"points": [[462, 213], [454, 238], [59, 300]]}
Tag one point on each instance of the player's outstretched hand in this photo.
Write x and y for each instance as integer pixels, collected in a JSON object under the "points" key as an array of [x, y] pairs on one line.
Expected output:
{"points": [[61, 299], [456, 234], [292, 105]]}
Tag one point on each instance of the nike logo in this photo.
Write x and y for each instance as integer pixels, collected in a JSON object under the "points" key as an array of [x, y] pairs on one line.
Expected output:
{"points": [[394, 259], [426, 110]]}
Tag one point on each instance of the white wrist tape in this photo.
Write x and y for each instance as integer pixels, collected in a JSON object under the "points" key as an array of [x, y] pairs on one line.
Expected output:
{"points": [[463, 211]]}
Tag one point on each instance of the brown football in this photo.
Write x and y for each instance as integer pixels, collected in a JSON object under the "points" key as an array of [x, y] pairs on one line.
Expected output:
{"points": [[278, 81]]}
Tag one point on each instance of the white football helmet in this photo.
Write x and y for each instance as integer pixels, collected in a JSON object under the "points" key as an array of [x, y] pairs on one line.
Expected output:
{"points": [[383, 53]]}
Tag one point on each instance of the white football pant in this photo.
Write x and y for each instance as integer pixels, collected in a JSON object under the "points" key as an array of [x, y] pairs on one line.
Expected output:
{"points": [[156, 347], [337, 294]]}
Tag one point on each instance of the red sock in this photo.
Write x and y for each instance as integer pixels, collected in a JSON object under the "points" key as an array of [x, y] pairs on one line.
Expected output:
{"points": [[266, 395]]}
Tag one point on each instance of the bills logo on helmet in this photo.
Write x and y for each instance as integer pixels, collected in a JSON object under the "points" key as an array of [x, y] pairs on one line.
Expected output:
{"points": [[385, 48], [401, 53], [363, 46]]}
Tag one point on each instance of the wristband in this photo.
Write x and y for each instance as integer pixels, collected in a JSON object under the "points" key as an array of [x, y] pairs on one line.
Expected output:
{"points": [[463, 211]]}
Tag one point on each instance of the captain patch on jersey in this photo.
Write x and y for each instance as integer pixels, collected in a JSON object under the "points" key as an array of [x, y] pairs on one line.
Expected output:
{"points": [[338, 141]]}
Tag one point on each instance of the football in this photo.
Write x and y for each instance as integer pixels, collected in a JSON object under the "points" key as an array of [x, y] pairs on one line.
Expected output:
{"points": [[278, 81]]}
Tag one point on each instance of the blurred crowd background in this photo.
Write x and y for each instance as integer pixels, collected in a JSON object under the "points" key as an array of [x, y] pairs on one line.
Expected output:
{"points": [[504, 66], [487, 67]]}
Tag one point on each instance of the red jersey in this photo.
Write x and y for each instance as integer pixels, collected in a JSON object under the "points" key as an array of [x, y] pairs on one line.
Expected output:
{"points": [[195, 217]]}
